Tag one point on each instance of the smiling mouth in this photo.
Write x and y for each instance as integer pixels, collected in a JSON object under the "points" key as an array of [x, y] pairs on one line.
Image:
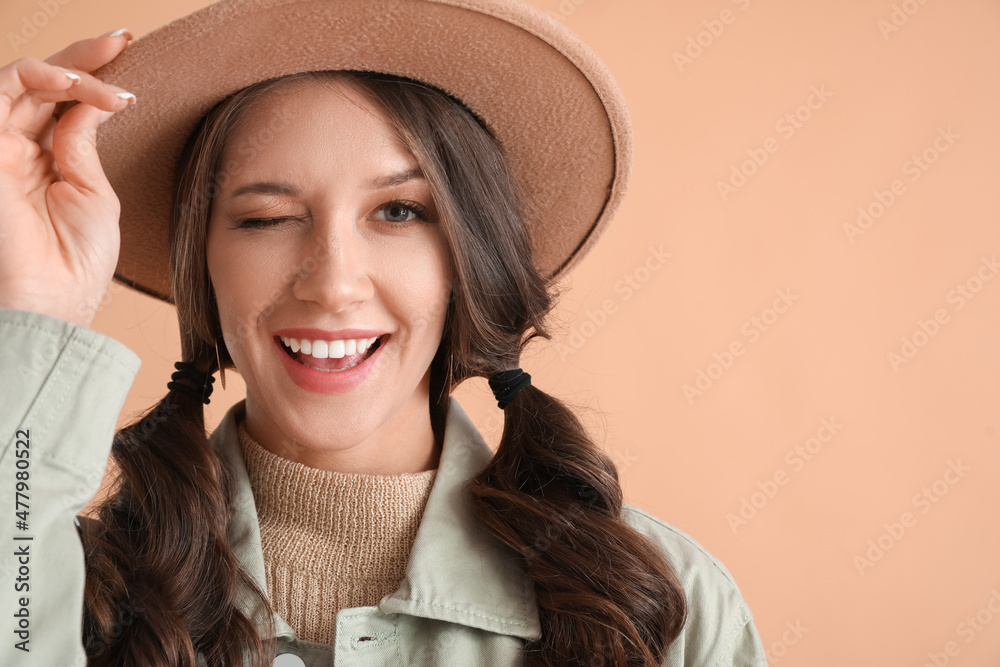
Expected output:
{"points": [[328, 365]]}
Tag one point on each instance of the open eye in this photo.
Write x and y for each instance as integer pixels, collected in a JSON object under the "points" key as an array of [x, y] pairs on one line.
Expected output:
{"points": [[397, 207]]}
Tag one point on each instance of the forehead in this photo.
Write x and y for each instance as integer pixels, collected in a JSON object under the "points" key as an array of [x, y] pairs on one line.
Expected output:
{"points": [[309, 115]]}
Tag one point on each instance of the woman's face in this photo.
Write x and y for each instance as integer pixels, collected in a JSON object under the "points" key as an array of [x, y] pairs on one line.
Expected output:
{"points": [[338, 264]]}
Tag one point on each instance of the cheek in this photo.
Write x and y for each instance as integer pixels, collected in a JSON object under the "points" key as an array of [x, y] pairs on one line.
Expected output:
{"points": [[241, 293], [426, 288], [221, 272]]}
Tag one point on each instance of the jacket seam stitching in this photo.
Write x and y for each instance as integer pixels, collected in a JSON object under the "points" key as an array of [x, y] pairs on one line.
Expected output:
{"points": [[674, 531], [472, 613], [745, 617], [49, 385], [74, 469], [74, 338], [524, 600], [395, 633]]}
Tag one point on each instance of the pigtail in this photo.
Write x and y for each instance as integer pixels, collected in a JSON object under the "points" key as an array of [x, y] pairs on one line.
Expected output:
{"points": [[605, 594], [161, 581]]}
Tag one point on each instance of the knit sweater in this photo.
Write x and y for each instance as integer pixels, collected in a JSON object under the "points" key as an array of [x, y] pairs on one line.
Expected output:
{"points": [[331, 540]]}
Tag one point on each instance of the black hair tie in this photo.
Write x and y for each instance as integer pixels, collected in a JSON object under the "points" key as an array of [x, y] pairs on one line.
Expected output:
{"points": [[507, 384], [189, 372]]}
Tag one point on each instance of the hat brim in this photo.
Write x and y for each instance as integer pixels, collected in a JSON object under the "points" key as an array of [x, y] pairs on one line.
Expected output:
{"points": [[544, 94]]}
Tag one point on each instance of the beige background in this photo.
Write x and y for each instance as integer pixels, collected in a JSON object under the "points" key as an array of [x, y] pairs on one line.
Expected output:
{"points": [[895, 78]]}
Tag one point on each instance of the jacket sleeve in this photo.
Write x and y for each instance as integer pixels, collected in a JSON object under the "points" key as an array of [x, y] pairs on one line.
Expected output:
{"points": [[62, 387], [719, 630], [745, 649]]}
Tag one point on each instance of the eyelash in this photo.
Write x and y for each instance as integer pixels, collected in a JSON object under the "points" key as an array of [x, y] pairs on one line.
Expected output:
{"points": [[418, 210]]}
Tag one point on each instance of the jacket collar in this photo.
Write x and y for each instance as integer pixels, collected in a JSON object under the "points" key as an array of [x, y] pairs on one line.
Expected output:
{"points": [[458, 572]]}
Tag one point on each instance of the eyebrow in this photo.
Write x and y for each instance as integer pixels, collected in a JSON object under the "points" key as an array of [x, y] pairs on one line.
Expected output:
{"points": [[395, 179], [380, 183]]}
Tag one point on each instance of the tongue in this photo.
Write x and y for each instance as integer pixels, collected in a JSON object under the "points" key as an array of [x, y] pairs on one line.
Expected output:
{"points": [[346, 361]]}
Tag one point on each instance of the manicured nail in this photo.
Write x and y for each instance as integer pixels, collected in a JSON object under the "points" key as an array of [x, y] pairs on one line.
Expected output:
{"points": [[75, 78], [116, 33], [105, 115], [128, 97]]}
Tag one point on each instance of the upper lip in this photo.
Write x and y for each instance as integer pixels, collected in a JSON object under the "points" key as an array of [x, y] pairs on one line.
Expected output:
{"points": [[324, 334]]}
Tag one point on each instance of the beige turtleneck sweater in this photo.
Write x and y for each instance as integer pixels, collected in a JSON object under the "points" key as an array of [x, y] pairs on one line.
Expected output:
{"points": [[331, 540]]}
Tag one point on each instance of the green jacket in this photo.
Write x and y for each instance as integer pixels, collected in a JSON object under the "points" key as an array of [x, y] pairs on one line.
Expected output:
{"points": [[463, 601]]}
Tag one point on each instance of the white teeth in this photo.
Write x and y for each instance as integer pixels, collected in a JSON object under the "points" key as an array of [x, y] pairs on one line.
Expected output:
{"points": [[333, 349]]}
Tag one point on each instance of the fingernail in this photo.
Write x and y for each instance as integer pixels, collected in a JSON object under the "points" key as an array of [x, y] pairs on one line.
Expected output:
{"points": [[75, 78], [106, 115], [128, 97], [123, 31]]}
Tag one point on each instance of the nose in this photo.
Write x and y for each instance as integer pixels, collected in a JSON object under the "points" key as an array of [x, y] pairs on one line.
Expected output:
{"points": [[334, 273]]}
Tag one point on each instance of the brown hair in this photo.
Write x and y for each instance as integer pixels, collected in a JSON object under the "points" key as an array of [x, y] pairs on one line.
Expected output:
{"points": [[550, 493]]}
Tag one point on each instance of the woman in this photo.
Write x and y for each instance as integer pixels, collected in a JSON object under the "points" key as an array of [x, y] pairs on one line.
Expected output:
{"points": [[355, 242]]}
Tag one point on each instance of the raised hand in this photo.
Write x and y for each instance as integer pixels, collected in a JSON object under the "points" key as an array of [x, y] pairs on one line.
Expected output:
{"points": [[59, 236]]}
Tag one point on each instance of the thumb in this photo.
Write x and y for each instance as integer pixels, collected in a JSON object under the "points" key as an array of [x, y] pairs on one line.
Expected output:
{"points": [[74, 147]]}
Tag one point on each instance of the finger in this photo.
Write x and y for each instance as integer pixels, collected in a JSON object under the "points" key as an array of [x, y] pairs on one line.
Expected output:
{"points": [[26, 74], [90, 90], [32, 113], [88, 55], [74, 148], [41, 129]]}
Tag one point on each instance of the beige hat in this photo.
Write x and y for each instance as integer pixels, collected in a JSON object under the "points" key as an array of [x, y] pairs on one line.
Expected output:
{"points": [[545, 95]]}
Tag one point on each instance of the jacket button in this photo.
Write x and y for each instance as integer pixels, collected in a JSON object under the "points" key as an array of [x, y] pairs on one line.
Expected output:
{"points": [[288, 660]]}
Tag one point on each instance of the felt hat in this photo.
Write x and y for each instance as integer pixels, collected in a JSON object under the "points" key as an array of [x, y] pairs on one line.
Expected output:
{"points": [[547, 97]]}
